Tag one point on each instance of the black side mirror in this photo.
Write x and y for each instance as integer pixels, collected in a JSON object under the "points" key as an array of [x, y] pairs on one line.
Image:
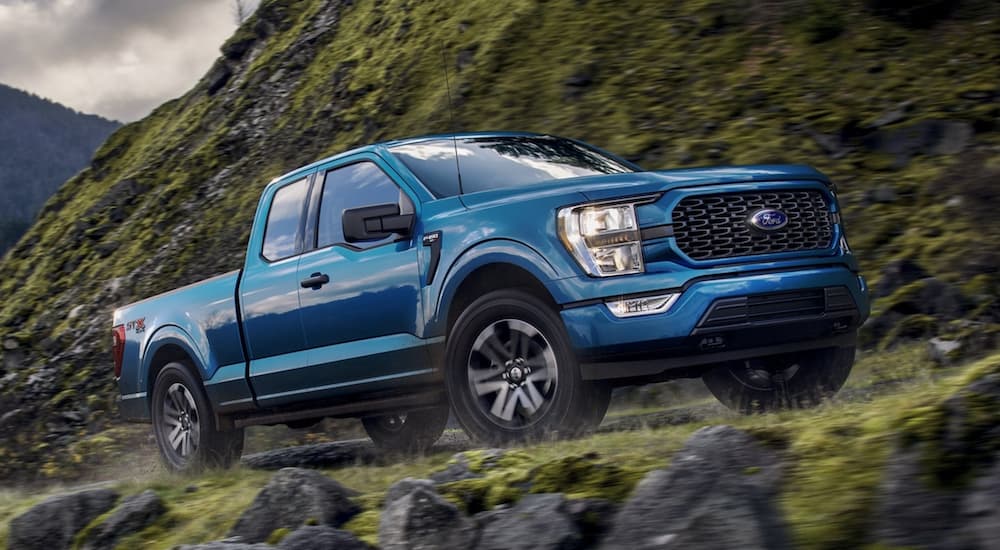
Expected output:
{"points": [[371, 223]]}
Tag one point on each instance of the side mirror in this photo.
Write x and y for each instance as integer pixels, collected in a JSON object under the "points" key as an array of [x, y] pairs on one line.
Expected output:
{"points": [[371, 223]]}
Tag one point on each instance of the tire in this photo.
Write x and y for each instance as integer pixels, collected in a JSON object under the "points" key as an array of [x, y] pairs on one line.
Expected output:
{"points": [[788, 381], [414, 431], [184, 425], [512, 376]]}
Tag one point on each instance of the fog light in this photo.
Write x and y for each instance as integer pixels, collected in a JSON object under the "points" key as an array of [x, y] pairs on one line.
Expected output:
{"points": [[645, 305]]}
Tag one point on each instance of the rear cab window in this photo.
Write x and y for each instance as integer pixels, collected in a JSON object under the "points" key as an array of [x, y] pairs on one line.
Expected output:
{"points": [[282, 234]]}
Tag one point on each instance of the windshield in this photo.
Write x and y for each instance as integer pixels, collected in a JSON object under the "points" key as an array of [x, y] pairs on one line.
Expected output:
{"points": [[505, 161]]}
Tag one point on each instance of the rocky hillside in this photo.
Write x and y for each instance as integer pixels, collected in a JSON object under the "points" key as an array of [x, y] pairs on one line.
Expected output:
{"points": [[42, 144], [897, 101], [914, 467]]}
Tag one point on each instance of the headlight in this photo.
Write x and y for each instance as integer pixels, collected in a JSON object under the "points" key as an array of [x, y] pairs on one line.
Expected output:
{"points": [[604, 238]]}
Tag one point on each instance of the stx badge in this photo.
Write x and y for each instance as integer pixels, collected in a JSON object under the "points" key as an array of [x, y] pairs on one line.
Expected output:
{"points": [[139, 325]]}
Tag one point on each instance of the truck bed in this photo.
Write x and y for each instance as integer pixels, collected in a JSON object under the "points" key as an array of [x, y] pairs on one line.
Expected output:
{"points": [[205, 314]]}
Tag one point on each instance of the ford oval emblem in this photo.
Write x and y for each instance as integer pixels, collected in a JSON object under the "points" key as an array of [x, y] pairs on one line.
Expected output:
{"points": [[769, 219]]}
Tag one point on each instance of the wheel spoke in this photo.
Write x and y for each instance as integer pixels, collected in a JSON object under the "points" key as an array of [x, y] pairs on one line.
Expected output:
{"points": [[500, 401], [172, 422], [170, 412], [484, 388], [512, 400], [176, 438], [540, 375], [479, 375], [488, 345], [533, 396]]}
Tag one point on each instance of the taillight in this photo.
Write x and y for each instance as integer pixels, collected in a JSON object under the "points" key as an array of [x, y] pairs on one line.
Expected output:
{"points": [[118, 348]]}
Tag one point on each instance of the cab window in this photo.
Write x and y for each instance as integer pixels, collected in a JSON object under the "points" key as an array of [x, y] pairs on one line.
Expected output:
{"points": [[283, 221]]}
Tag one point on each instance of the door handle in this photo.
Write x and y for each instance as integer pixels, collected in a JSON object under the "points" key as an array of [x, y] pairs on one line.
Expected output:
{"points": [[315, 280]]}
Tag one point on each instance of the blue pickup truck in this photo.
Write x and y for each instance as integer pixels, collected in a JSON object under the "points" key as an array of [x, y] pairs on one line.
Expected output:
{"points": [[512, 279]]}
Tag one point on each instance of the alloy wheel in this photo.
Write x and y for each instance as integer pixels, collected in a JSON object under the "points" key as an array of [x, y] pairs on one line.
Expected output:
{"points": [[512, 371]]}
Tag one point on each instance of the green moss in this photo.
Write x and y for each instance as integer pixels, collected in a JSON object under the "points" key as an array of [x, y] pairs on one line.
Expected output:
{"points": [[278, 535], [583, 477], [365, 526]]}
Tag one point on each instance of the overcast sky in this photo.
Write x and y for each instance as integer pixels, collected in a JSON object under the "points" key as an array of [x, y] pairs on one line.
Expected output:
{"points": [[115, 58]]}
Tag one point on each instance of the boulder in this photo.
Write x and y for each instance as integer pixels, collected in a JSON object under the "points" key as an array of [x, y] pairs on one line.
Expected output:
{"points": [[406, 486], [720, 492], [52, 524], [321, 537], [293, 497], [593, 516], [425, 521], [134, 514], [942, 481], [539, 521]]}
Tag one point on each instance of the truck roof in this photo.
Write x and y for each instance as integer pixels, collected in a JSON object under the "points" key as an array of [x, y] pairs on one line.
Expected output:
{"points": [[392, 143]]}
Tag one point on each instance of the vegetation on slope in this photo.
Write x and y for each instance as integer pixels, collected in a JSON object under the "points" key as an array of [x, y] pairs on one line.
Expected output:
{"points": [[901, 112]]}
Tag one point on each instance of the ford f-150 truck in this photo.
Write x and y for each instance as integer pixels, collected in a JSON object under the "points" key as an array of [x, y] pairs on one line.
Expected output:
{"points": [[513, 279]]}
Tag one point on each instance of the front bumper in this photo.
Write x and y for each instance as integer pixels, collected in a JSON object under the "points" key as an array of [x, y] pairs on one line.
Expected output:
{"points": [[722, 319]]}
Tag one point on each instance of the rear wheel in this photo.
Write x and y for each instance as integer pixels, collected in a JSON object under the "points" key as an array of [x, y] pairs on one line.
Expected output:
{"points": [[184, 426], [788, 381], [512, 375], [414, 431]]}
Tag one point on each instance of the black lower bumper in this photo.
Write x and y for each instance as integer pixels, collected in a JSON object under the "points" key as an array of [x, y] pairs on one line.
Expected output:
{"points": [[740, 328]]}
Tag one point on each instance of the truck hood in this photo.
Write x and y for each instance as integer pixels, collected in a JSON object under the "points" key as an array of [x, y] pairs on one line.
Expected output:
{"points": [[613, 186]]}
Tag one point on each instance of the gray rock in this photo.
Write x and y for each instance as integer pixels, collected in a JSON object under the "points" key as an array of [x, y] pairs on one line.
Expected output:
{"points": [[719, 492], [882, 194], [894, 115], [949, 503], [540, 522], [133, 515], [52, 524], [943, 351], [321, 537], [897, 274], [404, 487], [936, 137], [422, 520], [458, 468], [292, 497], [980, 510], [594, 517], [911, 513]]}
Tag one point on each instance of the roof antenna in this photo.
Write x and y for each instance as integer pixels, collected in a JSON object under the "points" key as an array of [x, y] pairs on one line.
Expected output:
{"points": [[451, 115]]}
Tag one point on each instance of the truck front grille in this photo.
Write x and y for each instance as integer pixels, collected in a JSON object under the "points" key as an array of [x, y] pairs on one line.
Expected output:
{"points": [[711, 227]]}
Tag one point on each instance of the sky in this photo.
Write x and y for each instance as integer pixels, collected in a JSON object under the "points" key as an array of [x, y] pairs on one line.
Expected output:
{"points": [[116, 58]]}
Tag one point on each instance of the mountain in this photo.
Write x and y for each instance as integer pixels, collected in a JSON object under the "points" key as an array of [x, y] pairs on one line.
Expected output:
{"points": [[899, 106], [42, 144]]}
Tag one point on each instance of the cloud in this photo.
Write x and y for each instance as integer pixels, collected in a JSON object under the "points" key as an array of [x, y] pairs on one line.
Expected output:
{"points": [[116, 58]]}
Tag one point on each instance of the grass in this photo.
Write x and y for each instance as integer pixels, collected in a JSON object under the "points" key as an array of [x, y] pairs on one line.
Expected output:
{"points": [[834, 458]]}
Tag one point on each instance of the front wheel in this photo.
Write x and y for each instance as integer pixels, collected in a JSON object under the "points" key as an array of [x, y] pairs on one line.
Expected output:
{"points": [[184, 427], [414, 431], [512, 375], [787, 381]]}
